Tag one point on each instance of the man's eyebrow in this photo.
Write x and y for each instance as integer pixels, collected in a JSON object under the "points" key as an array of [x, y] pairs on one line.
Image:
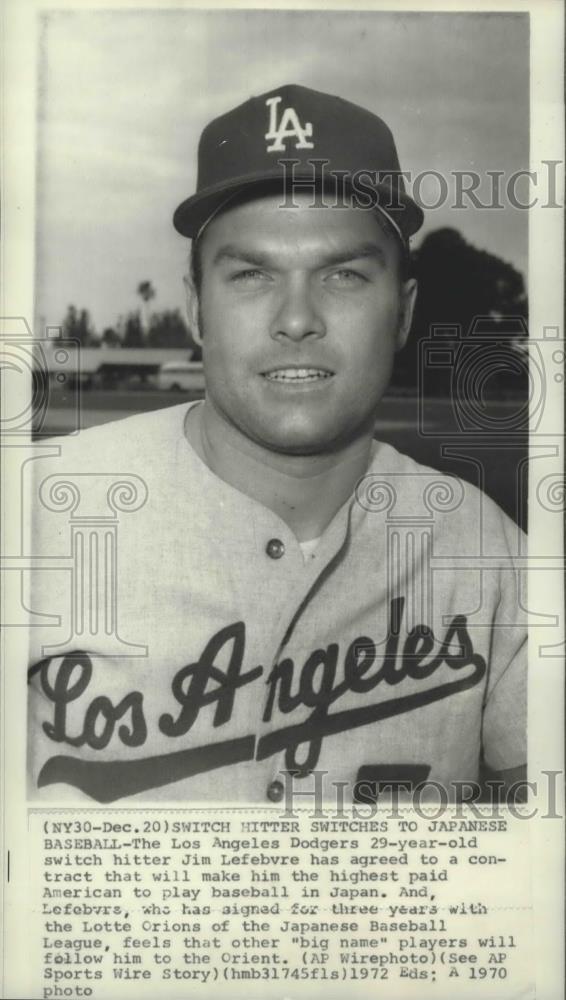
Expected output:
{"points": [[357, 252], [232, 252]]}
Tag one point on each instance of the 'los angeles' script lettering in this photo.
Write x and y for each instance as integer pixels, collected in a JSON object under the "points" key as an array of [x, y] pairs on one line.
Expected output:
{"points": [[318, 686]]}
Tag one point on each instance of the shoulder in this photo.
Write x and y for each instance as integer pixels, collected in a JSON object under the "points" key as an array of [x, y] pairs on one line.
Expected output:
{"points": [[454, 507], [115, 445], [125, 465]]}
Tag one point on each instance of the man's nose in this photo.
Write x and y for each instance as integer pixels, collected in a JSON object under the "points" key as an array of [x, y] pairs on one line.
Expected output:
{"points": [[298, 315]]}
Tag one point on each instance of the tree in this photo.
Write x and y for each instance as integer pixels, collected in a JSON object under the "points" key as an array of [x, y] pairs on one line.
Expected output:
{"points": [[110, 338], [472, 291], [167, 329], [146, 292], [133, 334], [77, 326]]}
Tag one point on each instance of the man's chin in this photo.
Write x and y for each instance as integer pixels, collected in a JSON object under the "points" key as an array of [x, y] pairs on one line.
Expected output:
{"points": [[302, 441]]}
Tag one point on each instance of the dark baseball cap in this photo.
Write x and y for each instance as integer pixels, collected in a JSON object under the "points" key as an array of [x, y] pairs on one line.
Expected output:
{"points": [[292, 135]]}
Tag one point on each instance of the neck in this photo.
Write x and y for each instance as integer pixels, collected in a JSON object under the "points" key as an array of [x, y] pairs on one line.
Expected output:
{"points": [[305, 491]]}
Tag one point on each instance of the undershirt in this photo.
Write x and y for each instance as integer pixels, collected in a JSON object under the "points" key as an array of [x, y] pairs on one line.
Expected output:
{"points": [[308, 548]]}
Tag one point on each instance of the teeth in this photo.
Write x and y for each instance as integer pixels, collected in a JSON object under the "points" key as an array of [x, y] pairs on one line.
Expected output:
{"points": [[296, 375]]}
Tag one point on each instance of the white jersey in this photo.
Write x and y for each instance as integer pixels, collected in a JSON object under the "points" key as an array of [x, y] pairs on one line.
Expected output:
{"points": [[185, 648]]}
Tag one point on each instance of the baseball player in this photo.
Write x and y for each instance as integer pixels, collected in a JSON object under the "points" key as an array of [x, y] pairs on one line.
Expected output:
{"points": [[251, 588]]}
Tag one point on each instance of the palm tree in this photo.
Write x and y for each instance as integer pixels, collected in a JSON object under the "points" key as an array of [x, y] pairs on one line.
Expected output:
{"points": [[146, 291]]}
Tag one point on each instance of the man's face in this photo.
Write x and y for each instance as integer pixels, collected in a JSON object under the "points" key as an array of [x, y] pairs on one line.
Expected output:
{"points": [[300, 312]]}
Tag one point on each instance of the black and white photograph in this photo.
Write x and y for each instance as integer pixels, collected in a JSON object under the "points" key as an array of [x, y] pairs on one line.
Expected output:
{"points": [[291, 427], [278, 577]]}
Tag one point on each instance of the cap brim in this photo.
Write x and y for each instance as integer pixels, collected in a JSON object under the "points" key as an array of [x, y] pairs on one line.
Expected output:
{"points": [[194, 212]]}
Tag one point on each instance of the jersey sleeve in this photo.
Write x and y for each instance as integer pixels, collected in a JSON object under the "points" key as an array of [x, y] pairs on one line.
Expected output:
{"points": [[504, 734]]}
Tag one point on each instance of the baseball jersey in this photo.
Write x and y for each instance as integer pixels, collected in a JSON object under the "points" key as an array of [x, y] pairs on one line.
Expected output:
{"points": [[185, 647]]}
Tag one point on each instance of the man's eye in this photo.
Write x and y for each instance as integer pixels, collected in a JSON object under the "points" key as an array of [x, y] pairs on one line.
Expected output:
{"points": [[347, 276], [248, 274]]}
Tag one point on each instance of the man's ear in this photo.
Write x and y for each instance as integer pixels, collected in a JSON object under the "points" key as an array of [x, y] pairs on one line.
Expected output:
{"points": [[407, 298], [192, 306]]}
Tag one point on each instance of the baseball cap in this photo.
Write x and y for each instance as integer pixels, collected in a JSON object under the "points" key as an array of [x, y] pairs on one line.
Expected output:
{"points": [[295, 136]]}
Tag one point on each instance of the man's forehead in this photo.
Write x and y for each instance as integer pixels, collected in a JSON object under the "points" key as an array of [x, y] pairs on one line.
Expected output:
{"points": [[265, 222]]}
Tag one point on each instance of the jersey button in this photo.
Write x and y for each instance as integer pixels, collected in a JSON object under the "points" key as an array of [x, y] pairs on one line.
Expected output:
{"points": [[275, 548], [275, 791]]}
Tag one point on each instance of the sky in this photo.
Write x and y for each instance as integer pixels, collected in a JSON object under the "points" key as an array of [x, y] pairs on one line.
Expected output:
{"points": [[124, 96]]}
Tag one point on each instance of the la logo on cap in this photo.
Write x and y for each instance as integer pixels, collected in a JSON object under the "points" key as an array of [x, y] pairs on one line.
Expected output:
{"points": [[289, 126]]}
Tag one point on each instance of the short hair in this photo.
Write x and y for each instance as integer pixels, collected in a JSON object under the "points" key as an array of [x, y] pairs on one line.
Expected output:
{"points": [[195, 264]]}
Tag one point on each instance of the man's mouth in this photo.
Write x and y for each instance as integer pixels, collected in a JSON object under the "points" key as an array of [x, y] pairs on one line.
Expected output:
{"points": [[297, 375]]}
